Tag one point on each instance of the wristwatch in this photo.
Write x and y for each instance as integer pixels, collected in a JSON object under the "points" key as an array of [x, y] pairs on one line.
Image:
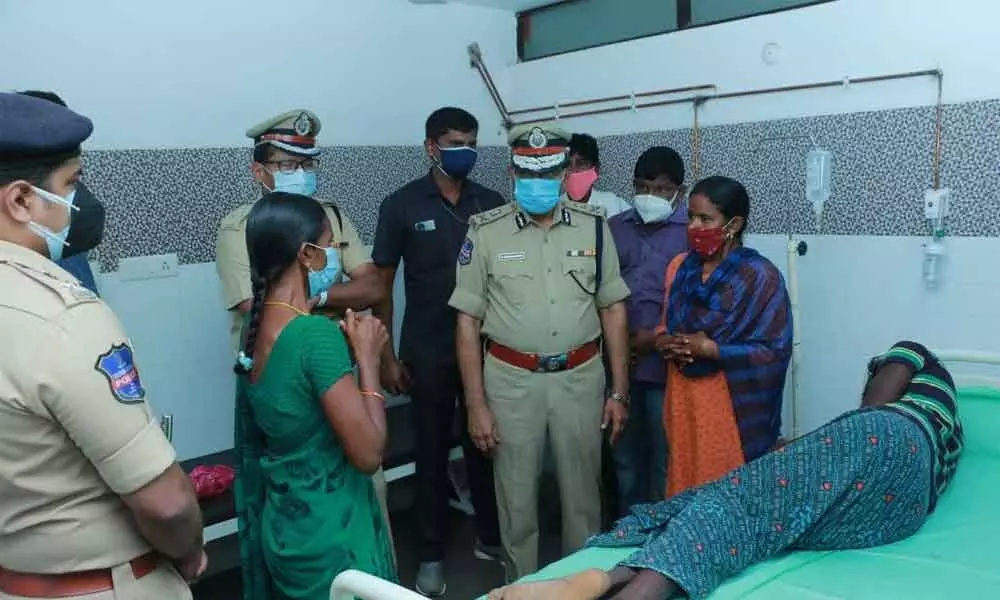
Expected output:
{"points": [[323, 296], [619, 398]]}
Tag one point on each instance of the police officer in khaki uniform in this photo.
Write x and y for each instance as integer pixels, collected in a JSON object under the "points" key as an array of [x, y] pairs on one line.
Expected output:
{"points": [[285, 159], [539, 280], [92, 502]]}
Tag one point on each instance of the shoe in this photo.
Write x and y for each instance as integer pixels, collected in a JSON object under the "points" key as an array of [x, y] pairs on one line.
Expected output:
{"points": [[487, 552], [430, 579]]}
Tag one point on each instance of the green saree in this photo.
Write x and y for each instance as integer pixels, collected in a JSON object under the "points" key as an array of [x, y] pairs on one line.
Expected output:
{"points": [[305, 513]]}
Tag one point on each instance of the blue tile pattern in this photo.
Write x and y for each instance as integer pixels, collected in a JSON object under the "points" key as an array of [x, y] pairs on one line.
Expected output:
{"points": [[164, 201]]}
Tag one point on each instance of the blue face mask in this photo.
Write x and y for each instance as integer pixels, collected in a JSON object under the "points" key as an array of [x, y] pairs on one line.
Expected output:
{"points": [[299, 181], [537, 196], [457, 163], [321, 280], [55, 240]]}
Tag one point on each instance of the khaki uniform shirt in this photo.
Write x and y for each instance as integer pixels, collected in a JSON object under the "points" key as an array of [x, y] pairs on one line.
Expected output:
{"points": [[233, 263], [522, 281], [75, 429]]}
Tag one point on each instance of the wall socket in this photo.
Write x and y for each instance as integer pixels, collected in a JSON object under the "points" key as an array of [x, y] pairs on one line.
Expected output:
{"points": [[148, 267]]}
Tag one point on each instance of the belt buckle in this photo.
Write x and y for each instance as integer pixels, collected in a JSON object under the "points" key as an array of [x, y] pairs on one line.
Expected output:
{"points": [[550, 363]]}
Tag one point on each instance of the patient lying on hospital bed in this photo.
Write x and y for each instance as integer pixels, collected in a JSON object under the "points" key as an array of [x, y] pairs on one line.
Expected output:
{"points": [[869, 477]]}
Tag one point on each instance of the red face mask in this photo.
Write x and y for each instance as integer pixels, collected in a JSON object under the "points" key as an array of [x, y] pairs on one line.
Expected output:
{"points": [[707, 241]]}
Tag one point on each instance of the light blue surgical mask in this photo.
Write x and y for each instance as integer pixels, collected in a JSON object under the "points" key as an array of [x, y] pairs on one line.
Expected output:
{"points": [[321, 280], [537, 196], [299, 181], [55, 240]]}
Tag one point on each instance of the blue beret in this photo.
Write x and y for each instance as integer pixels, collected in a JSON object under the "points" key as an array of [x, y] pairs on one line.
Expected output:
{"points": [[32, 127]]}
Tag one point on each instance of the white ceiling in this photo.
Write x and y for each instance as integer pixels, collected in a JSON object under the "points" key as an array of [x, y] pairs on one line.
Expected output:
{"points": [[511, 5]]}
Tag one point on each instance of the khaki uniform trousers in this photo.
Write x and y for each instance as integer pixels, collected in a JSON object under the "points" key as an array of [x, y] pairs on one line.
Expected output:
{"points": [[567, 407], [165, 583]]}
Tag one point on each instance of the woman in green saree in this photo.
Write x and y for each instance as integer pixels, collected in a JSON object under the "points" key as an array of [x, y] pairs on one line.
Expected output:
{"points": [[308, 434]]}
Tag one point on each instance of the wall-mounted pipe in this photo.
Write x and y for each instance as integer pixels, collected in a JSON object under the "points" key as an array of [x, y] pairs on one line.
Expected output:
{"points": [[747, 93], [476, 60], [696, 142], [607, 99]]}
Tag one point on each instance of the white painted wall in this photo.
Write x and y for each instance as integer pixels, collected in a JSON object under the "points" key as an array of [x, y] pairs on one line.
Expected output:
{"points": [[190, 73], [858, 295], [846, 38]]}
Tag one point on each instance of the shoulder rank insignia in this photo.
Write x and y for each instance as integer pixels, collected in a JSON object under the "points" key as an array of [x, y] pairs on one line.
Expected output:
{"points": [[490, 216], [118, 367], [582, 207]]}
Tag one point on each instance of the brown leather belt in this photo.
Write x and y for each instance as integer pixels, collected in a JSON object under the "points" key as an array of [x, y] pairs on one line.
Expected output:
{"points": [[545, 363], [68, 585]]}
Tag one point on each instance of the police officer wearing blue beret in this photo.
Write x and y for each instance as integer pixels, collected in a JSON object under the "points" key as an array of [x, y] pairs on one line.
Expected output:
{"points": [[88, 226], [92, 501]]}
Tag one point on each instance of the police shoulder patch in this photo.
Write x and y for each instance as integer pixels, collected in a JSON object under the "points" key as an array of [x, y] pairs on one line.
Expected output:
{"points": [[465, 253], [118, 367], [491, 216]]}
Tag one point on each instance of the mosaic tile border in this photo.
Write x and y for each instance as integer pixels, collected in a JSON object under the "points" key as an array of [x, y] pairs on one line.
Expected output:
{"points": [[171, 201]]}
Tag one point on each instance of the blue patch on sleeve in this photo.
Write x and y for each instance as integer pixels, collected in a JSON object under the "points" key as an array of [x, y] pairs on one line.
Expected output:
{"points": [[118, 366], [465, 254]]}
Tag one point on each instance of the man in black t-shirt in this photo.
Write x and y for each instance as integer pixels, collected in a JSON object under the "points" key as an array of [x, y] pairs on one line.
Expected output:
{"points": [[423, 224]]}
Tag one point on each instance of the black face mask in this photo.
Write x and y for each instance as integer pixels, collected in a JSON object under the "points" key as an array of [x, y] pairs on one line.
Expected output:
{"points": [[86, 227]]}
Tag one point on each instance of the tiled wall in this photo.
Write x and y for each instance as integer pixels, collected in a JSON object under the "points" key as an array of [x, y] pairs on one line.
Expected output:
{"points": [[172, 200]]}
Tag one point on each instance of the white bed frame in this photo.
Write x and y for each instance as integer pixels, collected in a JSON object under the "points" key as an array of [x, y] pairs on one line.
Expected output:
{"points": [[973, 357]]}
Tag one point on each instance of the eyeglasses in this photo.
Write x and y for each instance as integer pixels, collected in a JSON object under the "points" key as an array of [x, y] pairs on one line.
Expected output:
{"points": [[290, 166]]}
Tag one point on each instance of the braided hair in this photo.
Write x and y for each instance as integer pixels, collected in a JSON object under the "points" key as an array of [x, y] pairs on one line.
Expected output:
{"points": [[277, 227]]}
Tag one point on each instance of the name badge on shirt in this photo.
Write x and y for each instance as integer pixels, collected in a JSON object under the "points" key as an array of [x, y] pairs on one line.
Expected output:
{"points": [[512, 257], [425, 225], [589, 252]]}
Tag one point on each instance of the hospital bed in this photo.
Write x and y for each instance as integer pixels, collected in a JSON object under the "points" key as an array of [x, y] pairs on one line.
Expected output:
{"points": [[954, 555]]}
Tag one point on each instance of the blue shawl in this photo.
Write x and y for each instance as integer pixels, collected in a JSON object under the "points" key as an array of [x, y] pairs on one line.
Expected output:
{"points": [[743, 306]]}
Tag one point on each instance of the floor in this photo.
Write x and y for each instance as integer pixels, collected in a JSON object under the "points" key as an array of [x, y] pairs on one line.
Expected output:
{"points": [[467, 576]]}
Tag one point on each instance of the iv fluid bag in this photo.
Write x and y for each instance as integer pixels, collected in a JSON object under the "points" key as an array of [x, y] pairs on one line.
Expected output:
{"points": [[819, 177]]}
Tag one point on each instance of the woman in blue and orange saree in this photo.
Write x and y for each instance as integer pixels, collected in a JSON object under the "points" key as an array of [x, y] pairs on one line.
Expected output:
{"points": [[869, 477], [726, 335]]}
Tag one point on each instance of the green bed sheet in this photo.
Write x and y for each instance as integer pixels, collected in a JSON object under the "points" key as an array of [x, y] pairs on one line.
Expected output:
{"points": [[954, 555]]}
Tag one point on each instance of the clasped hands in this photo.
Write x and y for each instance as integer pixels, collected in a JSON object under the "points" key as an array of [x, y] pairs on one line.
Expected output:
{"points": [[685, 348]]}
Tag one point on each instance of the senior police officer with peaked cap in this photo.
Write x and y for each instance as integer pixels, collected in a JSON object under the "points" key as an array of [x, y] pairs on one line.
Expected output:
{"points": [[92, 502], [285, 159], [539, 279]]}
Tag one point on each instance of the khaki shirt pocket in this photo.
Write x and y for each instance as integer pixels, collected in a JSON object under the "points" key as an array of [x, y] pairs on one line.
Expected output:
{"points": [[580, 271], [514, 282]]}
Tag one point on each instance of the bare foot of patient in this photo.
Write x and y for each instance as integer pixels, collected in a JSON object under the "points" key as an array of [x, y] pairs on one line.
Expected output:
{"points": [[588, 585]]}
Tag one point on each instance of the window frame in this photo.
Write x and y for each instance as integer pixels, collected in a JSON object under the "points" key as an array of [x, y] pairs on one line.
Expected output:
{"points": [[684, 15]]}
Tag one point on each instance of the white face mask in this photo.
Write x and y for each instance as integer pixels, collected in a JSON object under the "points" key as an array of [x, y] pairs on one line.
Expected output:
{"points": [[55, 240], [654, 209]]}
